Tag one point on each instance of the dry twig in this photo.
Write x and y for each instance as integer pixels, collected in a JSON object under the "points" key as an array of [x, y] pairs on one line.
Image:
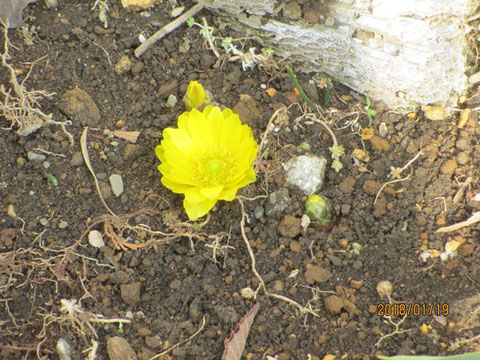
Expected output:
{"points": [[167, 29]]}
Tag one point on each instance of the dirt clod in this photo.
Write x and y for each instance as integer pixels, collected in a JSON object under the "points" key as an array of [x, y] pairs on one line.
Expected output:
{"points": [[290, 226], [79, 106], [131, 293], [317, 274]]}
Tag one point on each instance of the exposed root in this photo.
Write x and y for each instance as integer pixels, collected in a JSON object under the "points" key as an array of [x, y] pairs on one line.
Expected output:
{"points": [[262, 285], [395, 173], [183, 342], [19, 106]]}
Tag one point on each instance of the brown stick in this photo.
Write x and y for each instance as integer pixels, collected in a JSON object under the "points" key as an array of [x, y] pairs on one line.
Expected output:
{"points": [[167, 29]]}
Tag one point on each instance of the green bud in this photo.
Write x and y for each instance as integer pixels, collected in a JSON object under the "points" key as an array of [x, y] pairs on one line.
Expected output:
{"points": [[319, 210]]}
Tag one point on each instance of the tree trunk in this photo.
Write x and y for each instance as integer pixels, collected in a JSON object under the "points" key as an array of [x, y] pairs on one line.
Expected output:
{"points": [[401, 52]]}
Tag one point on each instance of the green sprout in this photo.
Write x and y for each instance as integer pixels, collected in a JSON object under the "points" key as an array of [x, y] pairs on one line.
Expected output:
{"points": [[370, 112], [205, 31], [227, 43], [52, 179]]}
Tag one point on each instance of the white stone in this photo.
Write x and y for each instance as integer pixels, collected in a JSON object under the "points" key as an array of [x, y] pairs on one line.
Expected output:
{"points": [[306, 172], [116, 182], [95, 238]]}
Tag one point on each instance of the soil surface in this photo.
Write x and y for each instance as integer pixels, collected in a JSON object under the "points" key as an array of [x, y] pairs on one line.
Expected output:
{"points": [[174, 281]]}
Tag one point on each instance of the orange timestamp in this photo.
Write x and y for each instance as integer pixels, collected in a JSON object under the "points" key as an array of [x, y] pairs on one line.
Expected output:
{"points": [[413, 309]]}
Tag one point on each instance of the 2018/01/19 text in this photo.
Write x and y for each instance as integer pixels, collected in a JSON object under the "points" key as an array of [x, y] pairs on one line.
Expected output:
{"points": [[415, 309]]}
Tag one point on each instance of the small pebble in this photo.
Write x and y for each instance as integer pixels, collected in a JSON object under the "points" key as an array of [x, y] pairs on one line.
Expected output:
{"points": [[43, 221], [172, 101], [95, 238], [259, 211], [62, 224], [116, 182], [34, 157], [46, 165]]}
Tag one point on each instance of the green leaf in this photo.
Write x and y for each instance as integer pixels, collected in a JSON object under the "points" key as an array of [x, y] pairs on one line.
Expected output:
{"points": [[52, 178], [337, 151], [337, 165], [470, 356], [226, 42], [190, 22]]}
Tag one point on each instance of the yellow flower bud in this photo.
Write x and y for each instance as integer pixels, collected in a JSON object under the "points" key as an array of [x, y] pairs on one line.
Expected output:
{"points": [[195, 95]]}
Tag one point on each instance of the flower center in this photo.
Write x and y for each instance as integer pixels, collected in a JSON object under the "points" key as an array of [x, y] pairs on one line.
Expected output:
{"points": [[214, 167]]}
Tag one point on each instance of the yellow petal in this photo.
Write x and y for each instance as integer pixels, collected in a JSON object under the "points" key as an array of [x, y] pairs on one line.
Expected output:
{"points": [[195, 211], [175, 187], [181, 141], [159, 151], [228, 194], [211, 192]]}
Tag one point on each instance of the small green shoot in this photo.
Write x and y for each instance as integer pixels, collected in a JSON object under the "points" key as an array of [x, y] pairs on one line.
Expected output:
{"points": [[52, 179], [205, 31], [470, 356], [371, 113], [267, 51], [120, 328], [304, 146], [196, 226], [302, 93], [226, 43]]}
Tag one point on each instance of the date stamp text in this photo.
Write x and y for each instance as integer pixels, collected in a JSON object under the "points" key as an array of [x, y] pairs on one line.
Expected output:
{"points": [[413, 309]]}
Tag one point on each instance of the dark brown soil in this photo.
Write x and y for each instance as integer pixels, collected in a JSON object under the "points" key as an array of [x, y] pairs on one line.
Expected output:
{"points": [[46, 256]]}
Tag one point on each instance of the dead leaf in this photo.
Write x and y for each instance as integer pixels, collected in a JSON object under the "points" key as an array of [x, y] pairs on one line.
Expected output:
{"points": [[367, 133], [131, 136], [235, 344], [464, 117], [11, 11], [361, 155], [271, 92]]}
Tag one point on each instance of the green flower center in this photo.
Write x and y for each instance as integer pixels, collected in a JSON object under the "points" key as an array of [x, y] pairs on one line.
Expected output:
{"points": [[214, 167]]}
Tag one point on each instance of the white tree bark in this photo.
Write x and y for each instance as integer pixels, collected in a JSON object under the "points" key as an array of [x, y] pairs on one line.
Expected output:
{"points": [[401, 52]]}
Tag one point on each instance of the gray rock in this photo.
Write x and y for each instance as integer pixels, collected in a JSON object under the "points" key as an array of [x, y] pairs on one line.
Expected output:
{"points": [[116, 182], [35, 157], [306, 172], [277, 202], [132, 152], [77, 159], [259, 212]]}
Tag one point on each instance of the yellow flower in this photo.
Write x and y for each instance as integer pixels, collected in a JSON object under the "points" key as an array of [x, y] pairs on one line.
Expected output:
{"points": [[195, 95], [207, 158]]}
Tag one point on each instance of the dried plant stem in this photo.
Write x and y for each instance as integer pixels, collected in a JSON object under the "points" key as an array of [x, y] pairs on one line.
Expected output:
{"points": [[262, 285], [399, 172], [181, 343], [83, 145], [167, 29], [209, 38]]}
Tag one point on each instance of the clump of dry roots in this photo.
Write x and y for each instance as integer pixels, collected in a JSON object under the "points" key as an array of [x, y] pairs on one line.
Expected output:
{"points": [[19, 106]]}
